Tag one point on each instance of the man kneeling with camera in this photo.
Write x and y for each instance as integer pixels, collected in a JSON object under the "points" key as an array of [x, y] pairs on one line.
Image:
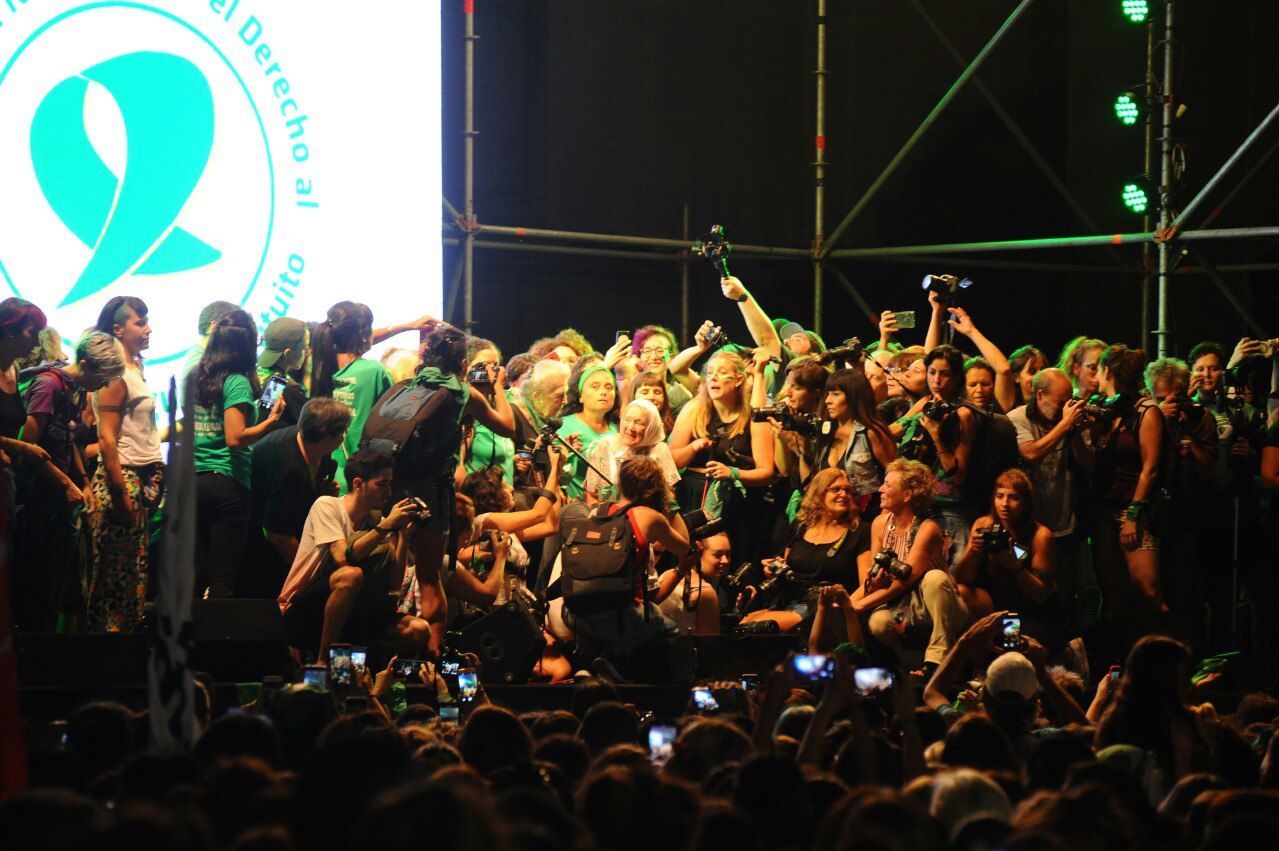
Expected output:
{"points": [[339, 587]]}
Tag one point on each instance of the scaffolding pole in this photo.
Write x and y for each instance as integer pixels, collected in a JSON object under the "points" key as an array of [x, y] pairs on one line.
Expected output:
{"points": [[932, 117], [819, 170], [1239, 154], [542, 234], [1166, 144], [1148, 167], [1229, 292], [468, 175]]}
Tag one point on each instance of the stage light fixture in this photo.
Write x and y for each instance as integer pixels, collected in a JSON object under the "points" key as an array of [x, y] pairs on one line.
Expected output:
{"points": [[1128, 108], [1136, 11], [1135, 197]]}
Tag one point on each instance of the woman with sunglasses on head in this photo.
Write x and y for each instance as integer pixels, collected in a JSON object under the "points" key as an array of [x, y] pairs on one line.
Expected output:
{"points": [[860, 443], [829, 545], [728, 459]]}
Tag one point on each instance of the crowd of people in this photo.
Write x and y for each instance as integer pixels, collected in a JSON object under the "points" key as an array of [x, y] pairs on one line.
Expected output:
{"points": [[1005, 568]]}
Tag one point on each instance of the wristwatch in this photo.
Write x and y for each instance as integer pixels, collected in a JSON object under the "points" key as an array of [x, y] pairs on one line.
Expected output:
{"points": [[745, 297]]}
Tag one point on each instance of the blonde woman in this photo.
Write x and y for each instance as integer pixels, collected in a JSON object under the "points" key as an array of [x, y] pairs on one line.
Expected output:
{"points": [[727, 459], [829, 546]]}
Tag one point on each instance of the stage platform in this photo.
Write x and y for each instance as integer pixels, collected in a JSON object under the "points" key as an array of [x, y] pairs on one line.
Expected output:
{"points": [[57, 673]]}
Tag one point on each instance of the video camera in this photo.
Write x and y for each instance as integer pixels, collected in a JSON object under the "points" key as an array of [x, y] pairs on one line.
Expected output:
{"points": [[850, 350], [946, 287]]}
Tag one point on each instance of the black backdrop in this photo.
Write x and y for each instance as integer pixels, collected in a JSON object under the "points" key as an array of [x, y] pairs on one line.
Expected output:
{"points": [[608, 116]]}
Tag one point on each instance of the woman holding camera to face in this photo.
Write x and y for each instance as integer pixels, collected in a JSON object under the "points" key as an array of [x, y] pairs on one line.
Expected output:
{"points": [[906, 588], [938, 431], [1009, 562], [1129, 449], [727, 459], [829, 545], [487, 448]]}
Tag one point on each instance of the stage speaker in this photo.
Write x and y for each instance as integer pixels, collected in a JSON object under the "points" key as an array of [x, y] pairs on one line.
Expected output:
{"points": [[240, 640], [508, 640], [727, 657]]}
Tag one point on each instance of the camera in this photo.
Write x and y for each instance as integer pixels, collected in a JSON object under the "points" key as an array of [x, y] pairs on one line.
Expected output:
{"points": [[996, 537], [715, 247], [716, 338], [850, 350], [1104, 408], [946, 287], [479, 376], [800, 423], [886, 560], [939, 411], [700, 526]]}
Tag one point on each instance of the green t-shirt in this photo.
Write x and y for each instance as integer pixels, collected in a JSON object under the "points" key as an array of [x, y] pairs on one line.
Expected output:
{"points": [[358, 385], [212, 455], [574, 476], [489, 449]]}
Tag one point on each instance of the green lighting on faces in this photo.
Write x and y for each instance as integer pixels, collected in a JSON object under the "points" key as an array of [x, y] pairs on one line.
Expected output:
{"points": [[1135, 198], [1136, 10], [1127, 110]]}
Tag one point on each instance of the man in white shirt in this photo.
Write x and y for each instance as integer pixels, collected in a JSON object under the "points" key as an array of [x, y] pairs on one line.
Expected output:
{"points": [[338, 587]]}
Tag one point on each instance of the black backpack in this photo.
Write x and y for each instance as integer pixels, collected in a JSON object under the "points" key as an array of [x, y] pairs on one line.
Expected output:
{"points": [[598, 569], [418, 426]]}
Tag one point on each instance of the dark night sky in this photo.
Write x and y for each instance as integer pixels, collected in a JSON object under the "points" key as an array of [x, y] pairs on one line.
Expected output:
{"points": [[608, 116]]}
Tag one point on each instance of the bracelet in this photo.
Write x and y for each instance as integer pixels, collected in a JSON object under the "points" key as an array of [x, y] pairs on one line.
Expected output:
{"points": [[544, 493], [377, 527], [1134, 509], [735, 474], [745, 297]]}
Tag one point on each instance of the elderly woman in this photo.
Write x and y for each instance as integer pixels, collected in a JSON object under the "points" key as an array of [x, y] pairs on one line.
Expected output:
{"points": [[640, 433]]}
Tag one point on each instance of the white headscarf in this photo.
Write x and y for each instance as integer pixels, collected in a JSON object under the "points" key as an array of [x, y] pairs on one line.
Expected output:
{"points": [[654, 433], [610, 451]]}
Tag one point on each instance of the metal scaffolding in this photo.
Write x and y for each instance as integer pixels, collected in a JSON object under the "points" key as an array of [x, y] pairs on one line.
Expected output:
{"points": [[1163, 238]]}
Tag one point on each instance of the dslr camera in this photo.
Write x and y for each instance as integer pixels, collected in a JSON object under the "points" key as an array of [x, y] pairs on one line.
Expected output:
{"points": [[479, 376], [803, 424], [716, 339], [1105, 409], [886, 560], [850, 350], [996, 537], [939, 411], [701, 527]]}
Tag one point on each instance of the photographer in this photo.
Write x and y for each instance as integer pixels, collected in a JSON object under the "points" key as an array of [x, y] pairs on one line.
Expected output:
{"points": [[431, 479], [829, 544], [1004, 384], [907, 591], [487, 448], [1239, 425], [794, 432], [645, 498], [1129, 452], [1058, 455], [640, 433], [339, 587], [728, 459], [938, 431], [1009, 562], [690, 594], [907, 383]]}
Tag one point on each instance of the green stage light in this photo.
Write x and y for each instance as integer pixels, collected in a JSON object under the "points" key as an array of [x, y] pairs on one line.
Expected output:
{"points": [[1135, 198], [1136, 10], [1127, 109]]}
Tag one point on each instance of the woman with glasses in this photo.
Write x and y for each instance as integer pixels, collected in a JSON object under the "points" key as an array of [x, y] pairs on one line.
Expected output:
{"points": [[656, 347], [1079, 360], [829, 546], [727, 459]]}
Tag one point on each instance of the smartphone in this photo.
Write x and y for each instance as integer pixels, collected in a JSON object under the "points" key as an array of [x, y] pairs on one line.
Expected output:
{"points": [[423, 508], [1018, 552], [905, 318], [408, 668], [270, 688], [1010, 632], [359, 658], [868, 681], [750, 682], [704, 700], [1114, 673], [813, 667], [449, 713], [468, 683], [272, 390], [661, 743], [316, 675], [617, 337], [340, 664], [526, 454]]}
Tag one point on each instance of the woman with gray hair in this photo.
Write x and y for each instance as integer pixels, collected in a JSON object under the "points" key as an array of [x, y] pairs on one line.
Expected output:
{"points": [[129, 481]]}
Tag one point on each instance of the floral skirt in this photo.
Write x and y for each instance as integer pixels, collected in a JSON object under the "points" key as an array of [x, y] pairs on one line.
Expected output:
{"points": [[118, 561]]}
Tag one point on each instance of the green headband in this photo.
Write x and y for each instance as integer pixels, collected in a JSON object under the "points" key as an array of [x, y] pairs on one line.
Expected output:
{"points": [[591, 370]]}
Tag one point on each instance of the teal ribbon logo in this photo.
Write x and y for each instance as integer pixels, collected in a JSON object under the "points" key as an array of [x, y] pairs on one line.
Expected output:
{"points": [[128, 221]]}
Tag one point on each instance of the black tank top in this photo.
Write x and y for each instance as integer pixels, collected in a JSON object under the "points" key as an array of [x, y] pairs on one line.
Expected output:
{"points": [[13, 414], [733, 451]]}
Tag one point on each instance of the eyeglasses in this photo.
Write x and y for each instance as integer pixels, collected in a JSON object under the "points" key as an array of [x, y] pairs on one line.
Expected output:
{"points": [[840, 489], [660, 351], [721, 373]]}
